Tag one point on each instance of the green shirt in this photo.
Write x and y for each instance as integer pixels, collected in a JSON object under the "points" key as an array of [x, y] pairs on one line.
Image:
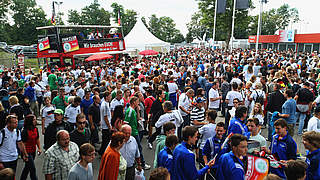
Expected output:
{"points": [[58, 102], [21, 82], [52, 81], [131, 118]]}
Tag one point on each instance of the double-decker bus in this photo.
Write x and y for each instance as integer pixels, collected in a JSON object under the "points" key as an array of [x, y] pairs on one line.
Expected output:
{"points": [[68, 45]]}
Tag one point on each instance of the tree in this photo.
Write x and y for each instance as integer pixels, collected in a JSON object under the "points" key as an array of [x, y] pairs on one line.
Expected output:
{"points": [[27, 16], [275, 19], [196, 29], [224, 21], [90, 15], [164, 28], [4, 24], [128, 17]]}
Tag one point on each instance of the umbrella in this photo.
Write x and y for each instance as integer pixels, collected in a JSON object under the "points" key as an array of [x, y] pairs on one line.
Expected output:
{"points": [[148, 52], [98, 57]]}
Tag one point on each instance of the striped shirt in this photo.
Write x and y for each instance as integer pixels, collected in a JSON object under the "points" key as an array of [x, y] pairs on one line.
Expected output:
{"points": [[197, 114]]}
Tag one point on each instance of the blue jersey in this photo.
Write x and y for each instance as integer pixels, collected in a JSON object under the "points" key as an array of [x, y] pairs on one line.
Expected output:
{"points": [[184, 167], [165, 159], [213, 147], [238, 127], [284, 148], [313, 161], [230, 168]]}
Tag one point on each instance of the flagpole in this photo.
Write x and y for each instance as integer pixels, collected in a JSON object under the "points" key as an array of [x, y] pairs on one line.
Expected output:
{"points": [[259, 26], [214, 23], [233, 18]]}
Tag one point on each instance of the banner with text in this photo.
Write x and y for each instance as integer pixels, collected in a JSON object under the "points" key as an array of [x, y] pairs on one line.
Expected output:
{"points": [[70, 44], [286, 35], [43, 44], [257, 168]]}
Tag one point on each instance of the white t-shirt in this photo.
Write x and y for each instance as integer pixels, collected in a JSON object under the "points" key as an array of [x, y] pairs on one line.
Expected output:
{"points": [[48, 115], [172, 87], [115, 102], [71, 113], [208, 131], [105, 111], [185, 102], [213, 93], [174, 117], [236, 80], [8, 150], [314, 124], [231, 95]]}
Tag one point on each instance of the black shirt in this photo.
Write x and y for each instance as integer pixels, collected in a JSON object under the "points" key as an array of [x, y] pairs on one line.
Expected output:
{"points": [[304, 96], [94, 111], [80, 138], [275, 102]]}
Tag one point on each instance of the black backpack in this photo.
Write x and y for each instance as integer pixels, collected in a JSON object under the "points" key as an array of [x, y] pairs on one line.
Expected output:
{"points": [[259, 98], [3, 133]]}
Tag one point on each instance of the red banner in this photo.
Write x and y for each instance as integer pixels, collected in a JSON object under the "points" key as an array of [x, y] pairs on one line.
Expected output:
{"points": [[43, 44], [70, 44], [258, 168]]}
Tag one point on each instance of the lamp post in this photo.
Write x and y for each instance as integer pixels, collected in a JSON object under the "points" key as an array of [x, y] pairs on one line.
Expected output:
{"points": [[58, 3], [259, 23]]}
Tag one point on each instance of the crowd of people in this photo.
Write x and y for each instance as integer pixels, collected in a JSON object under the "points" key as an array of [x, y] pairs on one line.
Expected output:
{"points": [[202, 110]]}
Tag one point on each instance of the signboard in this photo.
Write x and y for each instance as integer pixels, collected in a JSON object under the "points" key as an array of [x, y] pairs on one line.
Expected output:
{"points": [[252, 39], [70, 44], [43, 44], [257, 169], [286, 35], [21, 62]]}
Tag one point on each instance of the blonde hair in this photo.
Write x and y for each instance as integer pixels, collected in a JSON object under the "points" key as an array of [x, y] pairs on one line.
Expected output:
{"points": [[312, 137], [1, 107], [258, 85], [13, 100], [260, 109]]}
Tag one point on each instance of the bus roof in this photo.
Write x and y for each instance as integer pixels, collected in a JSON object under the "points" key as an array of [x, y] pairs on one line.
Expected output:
{"points": [[76, 26]]}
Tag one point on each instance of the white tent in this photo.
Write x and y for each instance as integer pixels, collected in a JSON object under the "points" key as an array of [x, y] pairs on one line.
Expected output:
{"points": [[140, 38]]}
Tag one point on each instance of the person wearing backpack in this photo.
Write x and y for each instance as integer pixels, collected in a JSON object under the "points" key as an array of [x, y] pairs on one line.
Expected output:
{"points": [[10, 137], [257, 96], [31, 140]]}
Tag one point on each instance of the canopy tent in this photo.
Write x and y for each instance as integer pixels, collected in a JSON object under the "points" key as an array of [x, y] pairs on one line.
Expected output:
{"points": [[148, 52], [141, 38], [98, 57]]}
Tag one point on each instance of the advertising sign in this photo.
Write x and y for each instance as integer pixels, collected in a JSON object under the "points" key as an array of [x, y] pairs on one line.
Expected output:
{"points": [[21, 62], [252, 39], [257, 169], [70, 44], [43, 44], [286, 36]]}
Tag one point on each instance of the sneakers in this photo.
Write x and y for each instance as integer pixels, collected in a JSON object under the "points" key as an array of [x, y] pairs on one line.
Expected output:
{"points": [[146, 167], [149, 145]]}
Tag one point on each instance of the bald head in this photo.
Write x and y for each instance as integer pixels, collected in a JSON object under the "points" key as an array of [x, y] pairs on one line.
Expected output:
{"points": [[63, 138], [126, 129]]}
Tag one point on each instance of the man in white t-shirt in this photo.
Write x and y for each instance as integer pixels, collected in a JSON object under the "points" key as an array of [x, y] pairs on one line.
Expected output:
{"points": [[105, 116], [185, 105], [214, 97], [314, 122], [254, 127], [231, 95], [173, 90], [72, 110], [116, 101]]}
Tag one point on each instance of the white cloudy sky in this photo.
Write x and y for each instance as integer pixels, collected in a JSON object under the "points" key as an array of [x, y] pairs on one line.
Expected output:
{"points": [[181, 10]]}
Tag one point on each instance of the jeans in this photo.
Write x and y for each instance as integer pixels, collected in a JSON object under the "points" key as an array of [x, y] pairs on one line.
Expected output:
{"points": [[94, 134], [300, 118], [106, 136], [223, 109], [270, 128], [29, 167], [140, 149], [227, 117], [186, 120], [154, 135]]}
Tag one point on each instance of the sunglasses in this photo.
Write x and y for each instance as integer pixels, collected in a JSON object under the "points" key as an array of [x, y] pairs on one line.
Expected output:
{"points": [[84, 122]]}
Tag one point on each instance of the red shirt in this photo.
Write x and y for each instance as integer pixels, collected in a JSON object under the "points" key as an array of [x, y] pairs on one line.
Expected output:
{"points": [[148, 103], [30, 139]]}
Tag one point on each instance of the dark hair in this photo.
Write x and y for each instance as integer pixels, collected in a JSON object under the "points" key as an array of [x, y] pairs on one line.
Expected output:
{"points": [[160, 173], [77, 99], [85, 149], [167, 105], [290, 93], [28, 122], [116, 138], [254, 120], [117, 113], [281, 122], [80, 116], [133, 99], [234, 85], [168, 126], [312, 137], [171, 140], [188, 131], [106, 94], [272, 177], [212, 114], [236, 139], [296, 169], [221, 124], [240, 111]]}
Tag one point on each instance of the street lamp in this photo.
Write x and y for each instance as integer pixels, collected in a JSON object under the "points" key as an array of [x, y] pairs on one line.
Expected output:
{"points": [[58, 3]]}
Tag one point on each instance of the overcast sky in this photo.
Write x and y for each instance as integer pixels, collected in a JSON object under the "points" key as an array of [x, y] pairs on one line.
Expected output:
{"points": [[181, 10]]}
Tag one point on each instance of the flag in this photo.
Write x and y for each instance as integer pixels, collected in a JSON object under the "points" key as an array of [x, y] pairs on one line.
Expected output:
{"points": [[53, 20], [221, 6], [242, 4], [119, 20]]}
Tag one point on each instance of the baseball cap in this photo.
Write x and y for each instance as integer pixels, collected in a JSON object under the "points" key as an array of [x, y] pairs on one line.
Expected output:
{"points": [[200, 100], [58, 111]]}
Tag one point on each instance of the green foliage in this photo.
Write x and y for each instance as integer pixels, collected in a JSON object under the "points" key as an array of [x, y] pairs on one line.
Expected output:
{"points": [[128, 17], [164, 28], [275, 19], [90, 15]]}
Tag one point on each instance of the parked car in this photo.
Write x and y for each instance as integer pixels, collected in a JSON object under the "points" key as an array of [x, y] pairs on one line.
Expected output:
{"points": [[3, 45]]}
